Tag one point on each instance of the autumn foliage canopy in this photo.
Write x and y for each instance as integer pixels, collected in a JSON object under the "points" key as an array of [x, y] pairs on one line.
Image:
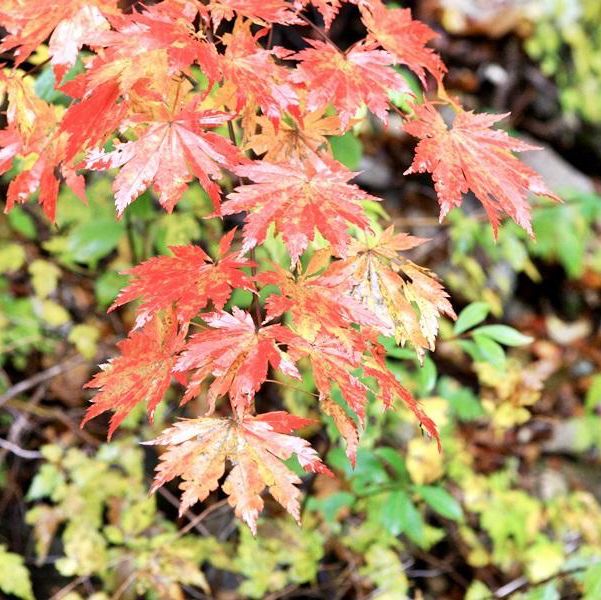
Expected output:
{"points": [[184, 90]]}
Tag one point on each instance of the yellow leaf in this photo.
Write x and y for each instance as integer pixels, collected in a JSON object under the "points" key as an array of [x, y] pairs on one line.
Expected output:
{"points": [[85, 338], [12, 258], [424, 461], [54, 314], [44, 277]]}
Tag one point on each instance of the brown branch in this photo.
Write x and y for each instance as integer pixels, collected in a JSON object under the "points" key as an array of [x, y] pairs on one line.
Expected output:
{"points": [[38, 378]]}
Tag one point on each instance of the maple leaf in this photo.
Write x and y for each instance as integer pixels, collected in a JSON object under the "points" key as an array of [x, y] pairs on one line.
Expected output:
{"points": [[258, 11], [407, 298], [346, 426], [136, 61], [167, 155], [389, 388], [332, 363], [45, 175], [299, 202], [296, 141], [27, 115], [198, 449], [89, 122], [68, 24], [328, 9], [470, 156], [31, 132], [362, 74], [10, 146], [236, 354], [257, 77], [404, 38], [167, 27], [142, 373], [318, 301], [189, 279]]}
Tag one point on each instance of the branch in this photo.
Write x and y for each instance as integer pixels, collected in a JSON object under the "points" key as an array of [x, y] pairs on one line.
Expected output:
{"points": [[38, 378], [18, 451]]}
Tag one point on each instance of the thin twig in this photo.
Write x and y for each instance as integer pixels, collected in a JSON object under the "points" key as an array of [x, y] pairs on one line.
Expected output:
{"points": [[188, 514], [521, 583], [69, 587], [123, 587], [203, 515], [50, 413], [38, 378], [18, 451], [292, 387]]}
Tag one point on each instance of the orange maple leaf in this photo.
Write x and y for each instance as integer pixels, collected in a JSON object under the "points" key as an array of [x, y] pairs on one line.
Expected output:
{"points": [[257, 77], [197, 451], [408, 299], [318, 302]]}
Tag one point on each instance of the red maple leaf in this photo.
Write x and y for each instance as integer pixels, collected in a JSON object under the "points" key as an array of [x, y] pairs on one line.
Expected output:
{"points": [[258, 79], [258, 11], [470, 156], [334, 364], [68, 23], [167, 27], [198, 449], [299, 201], [404, 38], [167, 155], [142, 373], [362, 74], [236, 354], [328, 9], [45, 176], [189, 279]]}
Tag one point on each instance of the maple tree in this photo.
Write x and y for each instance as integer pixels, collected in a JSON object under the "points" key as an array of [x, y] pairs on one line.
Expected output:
{"points": [[185, 90]]}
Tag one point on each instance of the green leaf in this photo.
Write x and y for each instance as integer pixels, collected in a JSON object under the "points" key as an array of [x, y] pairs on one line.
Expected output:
{"points": [[427, 375], [46, 480], [490, 351], [347, 149], [592, 583], [331, 505], [107, 286], [508, 336], [22, 223], [394, 351], [470, 316], [463, 402], [91, 241], [14, 577], [399, 515], [393, 457], [593, 394], [441, 501]]}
